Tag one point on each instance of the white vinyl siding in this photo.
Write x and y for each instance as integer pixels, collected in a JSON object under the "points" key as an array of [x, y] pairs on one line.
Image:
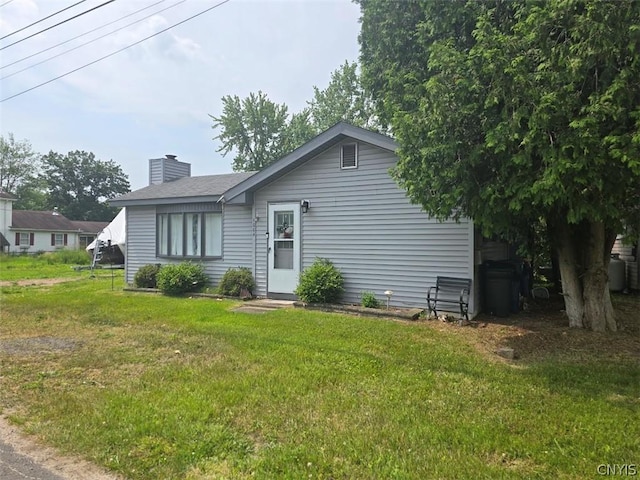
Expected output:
{"points": [[363, 222], [232, 250]]}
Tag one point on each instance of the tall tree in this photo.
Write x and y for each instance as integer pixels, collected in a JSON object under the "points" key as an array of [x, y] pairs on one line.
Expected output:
{"points": [[32, 194], [507, 112], [254, 128], [18, 162], [259, 131], [79, 185], [344, 99]]}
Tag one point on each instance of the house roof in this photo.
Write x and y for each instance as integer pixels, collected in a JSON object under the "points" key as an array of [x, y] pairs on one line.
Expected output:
{"points": [[206, 188], [315, 146], [89, 227], [7, 195], [41, 220]]}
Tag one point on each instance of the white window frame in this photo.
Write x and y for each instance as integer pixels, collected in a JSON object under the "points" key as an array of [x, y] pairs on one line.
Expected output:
{"points": [[25, 239], [348, 167], [175, 235], [59, 239]]}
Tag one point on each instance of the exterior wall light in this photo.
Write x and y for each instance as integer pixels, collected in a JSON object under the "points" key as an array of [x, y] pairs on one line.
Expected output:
{"points": [[305, 204], [388, 293]]}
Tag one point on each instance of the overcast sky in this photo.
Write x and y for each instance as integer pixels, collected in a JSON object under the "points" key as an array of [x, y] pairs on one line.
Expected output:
{"points": [[155, 98]]}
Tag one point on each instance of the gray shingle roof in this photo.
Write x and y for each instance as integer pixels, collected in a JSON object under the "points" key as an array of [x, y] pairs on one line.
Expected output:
{"points": [[187, 188], [41, 220], [7, 195], [89, 226]]}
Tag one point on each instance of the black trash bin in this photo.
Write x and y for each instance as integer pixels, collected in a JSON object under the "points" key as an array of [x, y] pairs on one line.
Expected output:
{"points": [[501, 289]]}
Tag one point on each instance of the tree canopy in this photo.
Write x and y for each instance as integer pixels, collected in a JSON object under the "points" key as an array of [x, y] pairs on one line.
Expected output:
{"points": [[79, 185], [254, 127], [344, 99], [18, 163], [259, 131], [507, 112]]}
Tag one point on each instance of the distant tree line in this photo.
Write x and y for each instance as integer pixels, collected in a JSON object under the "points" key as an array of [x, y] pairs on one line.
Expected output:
{"points": [[77, 184]]}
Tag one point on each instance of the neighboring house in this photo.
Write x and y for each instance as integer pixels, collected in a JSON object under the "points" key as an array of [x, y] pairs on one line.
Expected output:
{"points": [[6, 210], [333, 198], [88, 231], [34, 231], [630, 253]]}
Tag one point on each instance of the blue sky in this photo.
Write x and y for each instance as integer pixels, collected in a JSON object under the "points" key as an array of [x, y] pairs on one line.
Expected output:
{"points": [[155, 98]]}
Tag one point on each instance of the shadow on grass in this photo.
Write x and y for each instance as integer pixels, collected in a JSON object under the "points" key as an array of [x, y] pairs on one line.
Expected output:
{"points": [[575, 361]]}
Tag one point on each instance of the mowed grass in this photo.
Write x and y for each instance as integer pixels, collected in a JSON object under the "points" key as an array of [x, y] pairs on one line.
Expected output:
{"points": [[155, 387], [46, 265]]}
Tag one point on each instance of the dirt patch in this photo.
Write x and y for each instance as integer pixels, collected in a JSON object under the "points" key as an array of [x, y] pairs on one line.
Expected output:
{"points": [[35, 282], [71, 468], [33, 345], [542, 331]]}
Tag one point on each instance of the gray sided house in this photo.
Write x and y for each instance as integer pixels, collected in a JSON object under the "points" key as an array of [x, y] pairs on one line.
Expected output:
{"points": [[332, 198]]}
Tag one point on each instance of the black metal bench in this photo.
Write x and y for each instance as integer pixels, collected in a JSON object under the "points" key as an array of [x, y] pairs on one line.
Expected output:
{"points": [[450, 291]]}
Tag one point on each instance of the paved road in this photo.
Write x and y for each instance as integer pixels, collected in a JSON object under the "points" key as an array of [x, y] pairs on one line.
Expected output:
{"points": [[15, 466]]}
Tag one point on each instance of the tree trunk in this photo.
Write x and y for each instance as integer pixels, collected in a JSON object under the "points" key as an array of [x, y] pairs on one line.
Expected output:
{"points": [[584, 251], [569, 275]]}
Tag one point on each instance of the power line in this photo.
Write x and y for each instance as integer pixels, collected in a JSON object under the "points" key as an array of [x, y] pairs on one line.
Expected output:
{"points": [[116, 52], [58, 24], [6, 3], [41, 20], [86, 33]]}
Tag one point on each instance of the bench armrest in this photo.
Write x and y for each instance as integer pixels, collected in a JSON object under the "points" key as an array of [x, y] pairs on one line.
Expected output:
{"points": [[430, 296]]}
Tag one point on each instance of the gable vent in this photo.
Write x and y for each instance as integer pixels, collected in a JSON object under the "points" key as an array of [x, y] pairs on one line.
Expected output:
{"points": [[349, 156]]}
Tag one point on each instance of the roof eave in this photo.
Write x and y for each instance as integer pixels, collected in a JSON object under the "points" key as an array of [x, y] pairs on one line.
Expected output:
{"points": [[142, 202]]}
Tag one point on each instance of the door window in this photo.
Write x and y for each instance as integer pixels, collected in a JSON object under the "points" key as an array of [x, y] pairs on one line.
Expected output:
{"points": [[283, 243]]}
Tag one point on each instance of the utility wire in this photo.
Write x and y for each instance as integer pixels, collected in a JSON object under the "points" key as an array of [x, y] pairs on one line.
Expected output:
{"points": [[86, 33], [6, 3], [58, 24], [41, 20], [116, 52]]}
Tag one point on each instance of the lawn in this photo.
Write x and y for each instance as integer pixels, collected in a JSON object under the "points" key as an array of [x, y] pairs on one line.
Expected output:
{"points": [[156, 387]]}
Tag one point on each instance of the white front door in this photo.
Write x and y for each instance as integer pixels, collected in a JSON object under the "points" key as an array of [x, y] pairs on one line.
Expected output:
{"points": [[284, 247]]}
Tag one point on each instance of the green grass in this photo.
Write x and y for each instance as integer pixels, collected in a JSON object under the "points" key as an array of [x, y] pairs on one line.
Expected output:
{"points": [[46, 265], [167, 388]]}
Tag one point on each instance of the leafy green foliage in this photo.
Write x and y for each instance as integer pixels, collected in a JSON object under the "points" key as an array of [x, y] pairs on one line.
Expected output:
{"points": [[344, 100], [254, 128], [235, 280], [181, 278], [146, 276], [79, 185], [259, 131], [369, 300], [18, 162], [512, 112], [322, 282]]}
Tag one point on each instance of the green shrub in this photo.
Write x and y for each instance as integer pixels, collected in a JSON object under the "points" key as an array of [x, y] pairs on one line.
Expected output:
{"points": [[369, 300], [146, 276], [181, 278], [235, 280], [322, 282]]}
